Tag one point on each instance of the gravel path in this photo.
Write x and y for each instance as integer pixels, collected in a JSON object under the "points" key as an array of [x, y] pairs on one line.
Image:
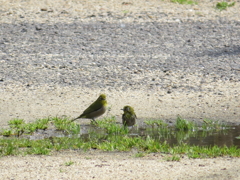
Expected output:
{"points": [[122, 55], [162, 58]]}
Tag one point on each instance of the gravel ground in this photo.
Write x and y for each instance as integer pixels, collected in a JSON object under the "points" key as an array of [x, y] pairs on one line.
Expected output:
{"points": [[162, 58]]}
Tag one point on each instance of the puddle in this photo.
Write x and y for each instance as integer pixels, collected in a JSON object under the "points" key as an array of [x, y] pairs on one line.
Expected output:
{"points": [[225, 136], [220, 137]]}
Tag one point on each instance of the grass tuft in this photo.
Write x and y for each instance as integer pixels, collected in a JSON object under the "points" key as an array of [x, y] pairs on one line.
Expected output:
{"points": [[224, 5], [69, 163], [172, 158], [190, 2], [109, 124], [184, 125]]}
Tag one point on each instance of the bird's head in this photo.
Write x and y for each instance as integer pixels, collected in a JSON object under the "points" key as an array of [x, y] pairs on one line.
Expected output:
{"points": [[102, 97], [128, 109]]}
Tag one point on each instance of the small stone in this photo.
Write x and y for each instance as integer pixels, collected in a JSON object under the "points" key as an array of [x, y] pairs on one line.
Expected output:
{"points": [[43, 9], [38, 28]]}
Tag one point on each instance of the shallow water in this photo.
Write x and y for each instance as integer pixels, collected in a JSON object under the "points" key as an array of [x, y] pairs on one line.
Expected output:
{"points": [[225, 136], [220, 137]]}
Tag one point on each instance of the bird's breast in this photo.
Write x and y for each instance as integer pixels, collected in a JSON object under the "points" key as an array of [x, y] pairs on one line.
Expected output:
{"points": [[98, 112]]}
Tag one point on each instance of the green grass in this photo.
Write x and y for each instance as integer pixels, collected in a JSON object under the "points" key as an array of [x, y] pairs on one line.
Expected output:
{"points": [[172, 158], [29, 128], [184, 2], [69, 163], [184, 125], [213, 125], [7, 132], [65, 125], [140, 154], [224, 5], [17, 146], [18, 127], [114, 137], [157, 123], [110, 126]]}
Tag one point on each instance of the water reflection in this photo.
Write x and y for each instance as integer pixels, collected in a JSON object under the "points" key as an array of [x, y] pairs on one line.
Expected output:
{"points": [[219, 137], [225, 136]]}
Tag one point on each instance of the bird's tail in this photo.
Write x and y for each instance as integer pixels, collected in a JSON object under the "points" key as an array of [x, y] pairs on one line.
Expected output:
{"points": [[74, 119]]}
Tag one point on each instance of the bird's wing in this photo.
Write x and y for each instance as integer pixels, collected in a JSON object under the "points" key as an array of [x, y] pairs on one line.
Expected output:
{"points": [[93, 107]]}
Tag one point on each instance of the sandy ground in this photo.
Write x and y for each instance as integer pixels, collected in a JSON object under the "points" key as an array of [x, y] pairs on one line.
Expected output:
{"points": [[17, 101], [60, 10], [31, 104], [102, 165]]}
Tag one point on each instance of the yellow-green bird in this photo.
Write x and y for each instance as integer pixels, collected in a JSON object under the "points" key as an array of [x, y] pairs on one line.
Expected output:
{"points": [[96, 109], [129, 117]]}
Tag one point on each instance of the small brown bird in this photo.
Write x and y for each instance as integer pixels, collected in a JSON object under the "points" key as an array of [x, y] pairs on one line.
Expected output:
{"points": [[129, 117], [95, 110]]}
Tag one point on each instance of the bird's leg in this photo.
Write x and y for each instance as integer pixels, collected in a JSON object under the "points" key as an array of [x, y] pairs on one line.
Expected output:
{"points": [[93, 121]]}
